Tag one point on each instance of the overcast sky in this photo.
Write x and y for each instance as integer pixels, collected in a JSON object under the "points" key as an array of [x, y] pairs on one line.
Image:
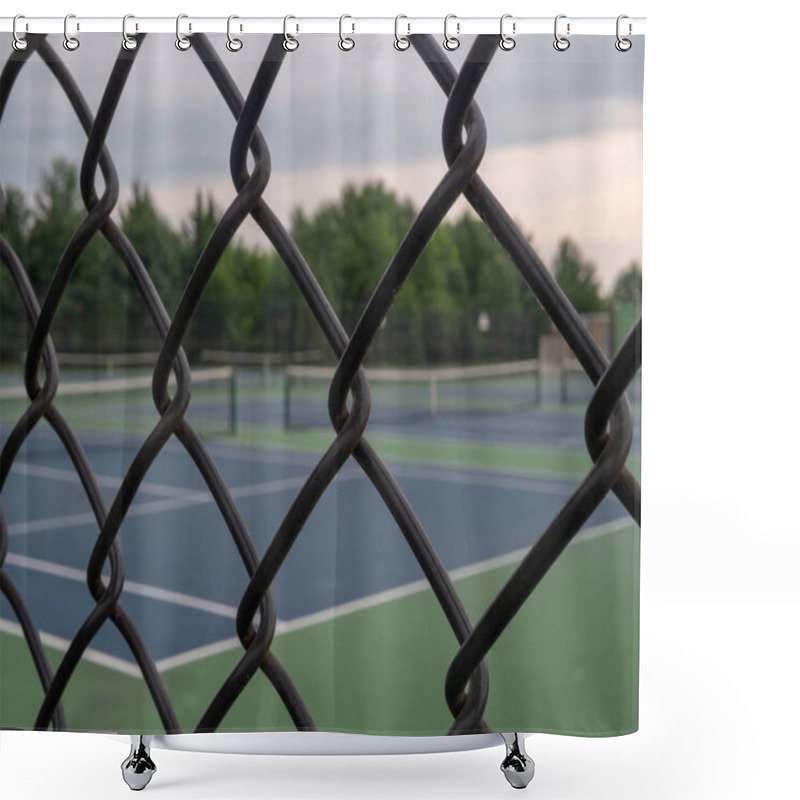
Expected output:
{"points": [[564, 153]]}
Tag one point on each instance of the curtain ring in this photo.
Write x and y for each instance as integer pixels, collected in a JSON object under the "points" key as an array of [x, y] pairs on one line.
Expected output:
{"points": [[507, 42], [182, 42], [345, 42], [19, 42], [128, 42], [451, 42], [70, 42], [401, 42], [290, 43], [561, 43], [623, 45], [233, 44]]}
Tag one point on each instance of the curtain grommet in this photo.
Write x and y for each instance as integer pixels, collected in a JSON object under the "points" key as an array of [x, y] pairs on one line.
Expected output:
{"points": [[182, 42], [401, 43], [451, 42], [19, 43], [622, 44], [346, 43], [233, 44], [507, 42], [290, 43], [561, 43], [71, 43]]}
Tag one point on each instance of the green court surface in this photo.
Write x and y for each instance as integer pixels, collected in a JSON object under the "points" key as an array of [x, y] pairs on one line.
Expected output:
{"points": [[410, 446], [380, 665]]}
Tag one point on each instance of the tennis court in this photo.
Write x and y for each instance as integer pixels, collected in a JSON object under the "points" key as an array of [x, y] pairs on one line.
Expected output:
{"points": [[494, 478]]}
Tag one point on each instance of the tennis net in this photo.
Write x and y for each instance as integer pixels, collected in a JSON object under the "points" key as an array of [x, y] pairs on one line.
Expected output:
{"points": [[575, 388], [401, 394], [108, 363], [113, 404], [263, 360]]}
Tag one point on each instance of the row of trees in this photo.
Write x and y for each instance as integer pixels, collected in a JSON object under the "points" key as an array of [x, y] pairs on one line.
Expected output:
{"points": [[252, 303]]}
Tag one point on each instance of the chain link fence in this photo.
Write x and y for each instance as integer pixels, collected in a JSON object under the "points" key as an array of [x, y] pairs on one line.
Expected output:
{"points": [[608, 422]]}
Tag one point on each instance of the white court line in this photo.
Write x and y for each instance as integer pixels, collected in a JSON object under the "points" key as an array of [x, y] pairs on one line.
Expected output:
{"points": [[95, 656], [189, 498], [231, 452], [132, 587], [454, 475], [198, 654], [456, 574], [215, 648], [186, 497], [70, 476], [328, 614]]}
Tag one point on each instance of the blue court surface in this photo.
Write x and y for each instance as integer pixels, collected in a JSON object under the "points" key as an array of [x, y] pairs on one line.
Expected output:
{"points": [[183, 574]]}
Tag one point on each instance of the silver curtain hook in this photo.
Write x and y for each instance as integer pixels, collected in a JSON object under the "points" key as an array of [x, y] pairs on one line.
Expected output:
{"points": [[290, 43], [128, 42], [623, 45], [19, 42], [507, 42], [346, 42], [233, 44], [70, 42], [401, 42], [561, 43], [451, 42], [182, 42]]}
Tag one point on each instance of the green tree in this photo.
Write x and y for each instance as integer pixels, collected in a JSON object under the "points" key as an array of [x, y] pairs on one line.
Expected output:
{"points": [[159, 246], [577, 277], [234, 307], [208, 325], [89, 311], [425, 321], [492, 281], [197, 229], [57, 213], [289, 323], [628, 286], [251, 301], [494, 291], [14, 224], [626, 301], [15, 218], [349, 242]]}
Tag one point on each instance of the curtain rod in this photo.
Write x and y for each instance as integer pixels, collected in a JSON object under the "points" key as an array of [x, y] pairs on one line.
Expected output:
{"points": [[462, 26]]}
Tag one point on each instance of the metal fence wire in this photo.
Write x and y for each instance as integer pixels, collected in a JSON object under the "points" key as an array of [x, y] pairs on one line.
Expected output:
{"points": [[607, 428]]}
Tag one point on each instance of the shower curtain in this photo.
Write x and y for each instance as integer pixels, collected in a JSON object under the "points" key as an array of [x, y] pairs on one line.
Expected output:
{"points": [[320, 390]]}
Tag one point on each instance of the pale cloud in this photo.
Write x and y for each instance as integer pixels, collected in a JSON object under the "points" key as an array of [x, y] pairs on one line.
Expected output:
{"points": [[587, 187], [564, 131], [365, 107]]}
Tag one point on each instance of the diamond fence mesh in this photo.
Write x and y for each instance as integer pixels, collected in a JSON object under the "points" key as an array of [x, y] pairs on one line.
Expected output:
{"points": [[608, 426]]}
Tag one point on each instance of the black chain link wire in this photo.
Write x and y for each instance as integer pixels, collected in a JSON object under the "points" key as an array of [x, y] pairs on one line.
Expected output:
{"points": [[608, 425]]}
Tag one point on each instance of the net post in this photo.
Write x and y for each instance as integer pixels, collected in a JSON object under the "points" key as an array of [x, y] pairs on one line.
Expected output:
{"points": [[537, 383], [434, 395], [234, 403], [287, 397], [563, 390]]}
